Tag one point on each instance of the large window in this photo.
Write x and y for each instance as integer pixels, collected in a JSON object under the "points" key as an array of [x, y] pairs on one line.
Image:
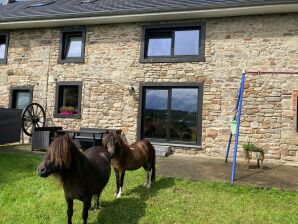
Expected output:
{"points": [[20, 97], [72, 46], [3, 47], [68, 100], [171, 113], [175, 43]]}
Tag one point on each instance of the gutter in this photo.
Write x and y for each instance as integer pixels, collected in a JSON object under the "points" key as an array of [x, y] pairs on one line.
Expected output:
{"points": [[151, 17]]}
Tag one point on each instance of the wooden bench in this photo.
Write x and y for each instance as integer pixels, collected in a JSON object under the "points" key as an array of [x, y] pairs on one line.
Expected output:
{"points": [[90, 137]]}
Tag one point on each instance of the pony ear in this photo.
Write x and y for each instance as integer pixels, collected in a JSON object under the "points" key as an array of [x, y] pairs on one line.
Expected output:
{"points": [[56, 135], [115, 136], [119, 132], [66, 137], [107, 132]]}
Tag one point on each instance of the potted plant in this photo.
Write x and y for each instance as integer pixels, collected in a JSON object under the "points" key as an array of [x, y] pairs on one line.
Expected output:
{"points": [[249, 149], [67, 110]]}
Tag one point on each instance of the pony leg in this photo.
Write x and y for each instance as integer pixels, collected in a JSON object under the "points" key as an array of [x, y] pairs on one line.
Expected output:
{"points": [[96, 203], [149, 179], [147, 175], [121, 185], [69, 209], [151, 173], [117, 182], [86, 207]]}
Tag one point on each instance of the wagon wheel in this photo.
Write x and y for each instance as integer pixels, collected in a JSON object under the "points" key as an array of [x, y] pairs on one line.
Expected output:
{"points": [[33, 116]]}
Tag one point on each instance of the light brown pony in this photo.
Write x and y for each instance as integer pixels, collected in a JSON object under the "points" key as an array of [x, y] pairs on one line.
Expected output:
{"points": [[82, 174], [129, 157]]}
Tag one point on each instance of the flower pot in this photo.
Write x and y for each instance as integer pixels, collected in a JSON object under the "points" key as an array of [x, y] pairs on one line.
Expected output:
{"points": [[67, 112]]}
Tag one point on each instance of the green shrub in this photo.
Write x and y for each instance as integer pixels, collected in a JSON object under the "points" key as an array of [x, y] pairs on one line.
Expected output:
{"points": [[250, 147]]}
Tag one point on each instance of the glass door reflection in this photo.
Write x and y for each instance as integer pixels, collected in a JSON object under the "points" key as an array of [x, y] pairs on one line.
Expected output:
{"points": [[155, 113], [184, 114]]}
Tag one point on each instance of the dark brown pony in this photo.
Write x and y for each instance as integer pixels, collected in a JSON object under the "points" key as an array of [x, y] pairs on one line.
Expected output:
{"points": [[129, 157], [82, 174]]}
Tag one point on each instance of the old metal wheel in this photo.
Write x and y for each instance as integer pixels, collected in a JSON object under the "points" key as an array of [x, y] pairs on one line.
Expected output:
{"points": [[33, 116]]}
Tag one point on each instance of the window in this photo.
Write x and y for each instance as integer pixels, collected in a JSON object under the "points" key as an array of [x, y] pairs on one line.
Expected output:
{"points": [[171, 113], [175, 43], [72, 46], [20, 97], [3, 47], [68, 99]]}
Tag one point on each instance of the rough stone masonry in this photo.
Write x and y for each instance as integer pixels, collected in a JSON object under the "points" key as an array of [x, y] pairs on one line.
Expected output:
{"points": [[112, 65]]}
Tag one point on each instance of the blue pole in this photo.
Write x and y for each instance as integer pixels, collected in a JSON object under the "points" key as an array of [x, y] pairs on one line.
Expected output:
{"points": [[238, 127], [228, 147], [231, 135]]}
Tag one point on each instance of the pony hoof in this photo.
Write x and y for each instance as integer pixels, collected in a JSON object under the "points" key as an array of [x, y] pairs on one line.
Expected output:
{"points": [[148, 186], [93, 209], [118, 196], [145, 184]]}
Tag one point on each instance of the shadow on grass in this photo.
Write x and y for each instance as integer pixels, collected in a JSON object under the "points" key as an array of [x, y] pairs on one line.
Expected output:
{"points": [[145, 194], [131, 208], [122, 211], [254, 171]]}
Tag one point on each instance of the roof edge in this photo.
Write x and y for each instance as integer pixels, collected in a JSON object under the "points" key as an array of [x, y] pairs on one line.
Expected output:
{"points": [[151, 17]]}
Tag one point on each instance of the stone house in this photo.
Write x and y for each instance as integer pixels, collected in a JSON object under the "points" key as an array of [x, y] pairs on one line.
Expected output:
{"points": [[166, 70]]}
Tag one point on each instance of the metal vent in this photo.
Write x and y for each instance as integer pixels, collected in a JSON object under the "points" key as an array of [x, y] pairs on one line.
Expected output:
{"points": [[87, 1], [40, 4]]}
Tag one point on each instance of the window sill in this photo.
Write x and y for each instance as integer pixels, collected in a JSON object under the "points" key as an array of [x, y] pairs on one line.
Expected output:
{"points": [[173, 59], [71, 60], [197, 147], [74, 116]]}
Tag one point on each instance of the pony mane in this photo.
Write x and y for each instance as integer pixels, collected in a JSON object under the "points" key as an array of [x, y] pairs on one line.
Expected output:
{"points": [[123, 146], [60, 151], [118, 138]]}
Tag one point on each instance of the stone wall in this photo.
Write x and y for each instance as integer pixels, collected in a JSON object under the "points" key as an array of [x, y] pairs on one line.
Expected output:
{"points": [[112, 65]]}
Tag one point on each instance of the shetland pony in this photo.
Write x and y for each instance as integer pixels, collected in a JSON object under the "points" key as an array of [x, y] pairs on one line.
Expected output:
{"points": [[82, 174], [129, 157]]}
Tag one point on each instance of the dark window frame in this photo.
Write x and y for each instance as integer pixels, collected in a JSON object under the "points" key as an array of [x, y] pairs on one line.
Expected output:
{"points": [[164, 28], [157, 86], [4, 60], [297, 114], [56, 113], [19, 88], [64, 44]]}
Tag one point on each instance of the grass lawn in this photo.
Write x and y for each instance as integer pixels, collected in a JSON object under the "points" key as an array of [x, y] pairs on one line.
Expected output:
{"points": [[27, 198]]}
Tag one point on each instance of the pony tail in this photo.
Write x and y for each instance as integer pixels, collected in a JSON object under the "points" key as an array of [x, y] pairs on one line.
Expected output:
{"points": [[153, 176]]}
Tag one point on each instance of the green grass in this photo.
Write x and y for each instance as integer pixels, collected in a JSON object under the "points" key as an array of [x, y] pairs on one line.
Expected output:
{"points": [[16, 147], [27, 198]]}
